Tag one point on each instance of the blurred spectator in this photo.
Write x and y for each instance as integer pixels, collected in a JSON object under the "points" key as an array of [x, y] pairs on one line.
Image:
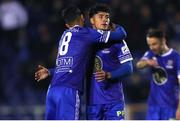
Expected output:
{"points": [[13, 17]]}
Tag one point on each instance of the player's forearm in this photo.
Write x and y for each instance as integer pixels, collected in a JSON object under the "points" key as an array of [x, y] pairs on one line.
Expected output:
{"points": [[142, 64], [123, 70]]}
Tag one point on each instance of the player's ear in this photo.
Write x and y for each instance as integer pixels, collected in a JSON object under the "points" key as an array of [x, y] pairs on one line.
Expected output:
{"points": [[67, 25], [92, 20], [82, 17], [164, 41]]}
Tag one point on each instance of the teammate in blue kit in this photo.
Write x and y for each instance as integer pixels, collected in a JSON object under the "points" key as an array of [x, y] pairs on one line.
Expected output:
{"points": [[105, 98], [164, 62], [74, 52]]}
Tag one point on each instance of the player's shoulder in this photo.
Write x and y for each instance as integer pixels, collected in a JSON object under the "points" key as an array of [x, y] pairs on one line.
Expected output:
{"points": [[175, 52], [171, 52], [77, 29], [149, 53], [117, 26]]}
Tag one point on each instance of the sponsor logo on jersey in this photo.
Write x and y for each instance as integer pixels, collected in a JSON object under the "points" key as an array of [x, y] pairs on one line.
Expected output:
{"points": [[64, 64], [169, 64]]}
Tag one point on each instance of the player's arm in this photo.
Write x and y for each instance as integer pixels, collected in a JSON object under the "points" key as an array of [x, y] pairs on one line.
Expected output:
{"points": [[116, 36], [123, 70], [125, 64], [42, 73], [146, 61], [178, 74]]}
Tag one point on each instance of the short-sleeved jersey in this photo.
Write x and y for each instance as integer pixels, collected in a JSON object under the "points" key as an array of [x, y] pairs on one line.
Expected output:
{"points": [[164, 79], [74, 52], [109, 59]]}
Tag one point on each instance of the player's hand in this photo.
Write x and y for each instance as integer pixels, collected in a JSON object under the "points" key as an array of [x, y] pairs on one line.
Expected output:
{"points": [[41, 73], [152, 62], [178, 114], [100, 75], [112, 26]]}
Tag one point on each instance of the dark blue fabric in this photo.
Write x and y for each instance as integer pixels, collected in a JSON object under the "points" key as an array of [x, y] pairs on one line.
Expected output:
{"points": [[112, 111], [124, 69], [62, 103]]}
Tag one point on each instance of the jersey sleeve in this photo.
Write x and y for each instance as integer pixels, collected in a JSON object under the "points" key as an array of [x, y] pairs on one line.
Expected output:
{"points": [[100, 36], [124, 53], [147, 55]]}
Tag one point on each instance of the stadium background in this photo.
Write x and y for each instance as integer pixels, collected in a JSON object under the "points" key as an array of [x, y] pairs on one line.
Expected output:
{"points": [[29, 32]]}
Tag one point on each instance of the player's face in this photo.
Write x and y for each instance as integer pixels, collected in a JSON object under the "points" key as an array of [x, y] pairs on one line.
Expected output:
{"points": [[154, 44], [100, 21]]}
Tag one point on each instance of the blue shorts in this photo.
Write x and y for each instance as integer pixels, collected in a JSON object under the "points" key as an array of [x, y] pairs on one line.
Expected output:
{"points": [[112, 111], [159, 113], [62, 103]]}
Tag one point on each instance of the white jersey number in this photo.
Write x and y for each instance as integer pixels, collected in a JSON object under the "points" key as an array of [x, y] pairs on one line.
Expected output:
{"points": [[64, 44]]}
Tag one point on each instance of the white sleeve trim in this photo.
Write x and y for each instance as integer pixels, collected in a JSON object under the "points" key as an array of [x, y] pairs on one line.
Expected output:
{"points": [[144, 58], [126, 60]]}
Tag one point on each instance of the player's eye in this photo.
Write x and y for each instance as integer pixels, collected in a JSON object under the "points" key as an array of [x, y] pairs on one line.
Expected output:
{"points": [[107, 17], [101, 16]]}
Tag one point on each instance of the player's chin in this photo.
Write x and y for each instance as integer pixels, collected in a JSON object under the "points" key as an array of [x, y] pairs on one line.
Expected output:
{"points": [[104, 27], [155, 52]]}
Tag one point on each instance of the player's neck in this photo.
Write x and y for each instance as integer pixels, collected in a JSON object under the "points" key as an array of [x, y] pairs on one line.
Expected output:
{"points": [[165, 49], [75, 23]]}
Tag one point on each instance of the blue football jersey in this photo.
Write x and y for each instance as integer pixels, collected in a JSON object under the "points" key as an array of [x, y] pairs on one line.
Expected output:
{"points": [[74, 52], [164, 79], [109, 59]]}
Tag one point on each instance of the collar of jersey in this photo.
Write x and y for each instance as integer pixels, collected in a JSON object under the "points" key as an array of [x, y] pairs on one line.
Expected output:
{"points": [[167, 53], [74, 26]]}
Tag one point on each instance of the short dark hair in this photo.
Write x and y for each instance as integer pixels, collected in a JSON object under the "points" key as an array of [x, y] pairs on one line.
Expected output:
{"points": [[98, 8], [156, 33], [71, 13]]}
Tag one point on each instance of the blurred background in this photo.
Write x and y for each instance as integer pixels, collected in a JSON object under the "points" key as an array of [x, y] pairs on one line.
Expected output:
{"points": [[29, 35]]}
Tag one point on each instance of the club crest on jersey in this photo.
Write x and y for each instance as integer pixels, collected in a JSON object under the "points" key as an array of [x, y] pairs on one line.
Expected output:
{"points": [[159, 75], [169, 64], [98, 65]]}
